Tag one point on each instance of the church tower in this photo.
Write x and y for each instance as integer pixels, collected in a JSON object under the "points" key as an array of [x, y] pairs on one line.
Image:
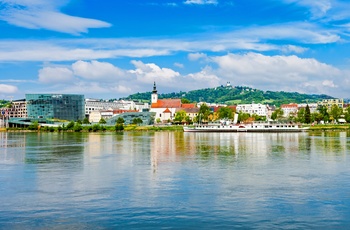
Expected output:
{"points": [[154, 98]]}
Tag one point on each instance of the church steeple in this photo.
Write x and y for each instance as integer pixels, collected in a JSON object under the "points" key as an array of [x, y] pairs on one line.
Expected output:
{"points": [[154, 88], [154, 98]]}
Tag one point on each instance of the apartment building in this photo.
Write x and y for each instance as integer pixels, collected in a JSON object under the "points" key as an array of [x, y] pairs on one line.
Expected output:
{"points": [[330, 102], [18, 109], [258, 109]]}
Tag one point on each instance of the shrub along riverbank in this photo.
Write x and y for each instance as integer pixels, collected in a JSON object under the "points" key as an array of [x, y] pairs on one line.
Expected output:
{"points": [[96, 128]]}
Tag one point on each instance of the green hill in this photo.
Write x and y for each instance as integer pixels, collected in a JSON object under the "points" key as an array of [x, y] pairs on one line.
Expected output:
{"points": [[236, 95]]}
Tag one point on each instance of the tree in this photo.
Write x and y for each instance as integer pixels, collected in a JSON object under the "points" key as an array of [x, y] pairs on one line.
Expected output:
{"points": [[86, 121], [323, 113], [258, 118], [243, 116], [335, 112], [307, 114], [225, 113], [180, 116], [102, 121], [301, 115], [120, 120], [137, 121], [70, 125], [277, 114], [77, 127], [204, 112], [119, 127], [34, 126], [185, 101], [158, 120]]}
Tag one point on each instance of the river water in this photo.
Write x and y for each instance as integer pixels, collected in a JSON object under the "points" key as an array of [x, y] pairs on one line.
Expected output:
{"points": [[174, 180]]}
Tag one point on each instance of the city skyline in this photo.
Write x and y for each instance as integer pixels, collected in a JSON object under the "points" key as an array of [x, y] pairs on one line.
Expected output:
{"points": [[112, 49]]}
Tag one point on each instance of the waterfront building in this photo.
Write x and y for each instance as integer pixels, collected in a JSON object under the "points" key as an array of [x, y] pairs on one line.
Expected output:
{"points": [[18, 109], [289, 109], [258, 109], [92, 105], [55, 106], [165, 109], [312, 106], [146, 117], [330, 102], [190, 112], [97, 105]]}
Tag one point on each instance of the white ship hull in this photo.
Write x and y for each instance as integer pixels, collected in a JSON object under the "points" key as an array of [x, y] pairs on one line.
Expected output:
{"points": [[255, 127]]}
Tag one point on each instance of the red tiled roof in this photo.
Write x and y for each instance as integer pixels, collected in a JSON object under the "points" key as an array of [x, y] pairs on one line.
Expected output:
{"points": [[289, 106], [166, 111], [167, 103], [188, 105]]}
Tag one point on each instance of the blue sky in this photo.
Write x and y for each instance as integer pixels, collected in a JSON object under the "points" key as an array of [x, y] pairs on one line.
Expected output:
{"points": [[110, 49]]}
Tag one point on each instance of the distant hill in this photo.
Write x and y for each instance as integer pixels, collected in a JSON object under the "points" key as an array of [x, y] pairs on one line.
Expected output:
{"points": [[236, 95]]}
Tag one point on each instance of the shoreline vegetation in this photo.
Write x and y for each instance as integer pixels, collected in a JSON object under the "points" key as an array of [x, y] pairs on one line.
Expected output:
{"points": [[136, 128]]}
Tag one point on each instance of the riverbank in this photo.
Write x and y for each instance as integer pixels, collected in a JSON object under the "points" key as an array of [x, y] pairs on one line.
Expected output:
{"points": [[178, 128], [329, 127]]}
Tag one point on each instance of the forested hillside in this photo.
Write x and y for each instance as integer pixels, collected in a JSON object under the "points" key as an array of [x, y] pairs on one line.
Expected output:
{"points": [[236, 95]]}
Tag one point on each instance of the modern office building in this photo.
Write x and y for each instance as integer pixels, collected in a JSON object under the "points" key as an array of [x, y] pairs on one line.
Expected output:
{"points": [[55, 106]]}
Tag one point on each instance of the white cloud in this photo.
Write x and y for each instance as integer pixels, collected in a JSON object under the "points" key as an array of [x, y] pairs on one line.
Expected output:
{"points": [[42, 14], [203, 79], [196, 56], [201, 2], [96, 70], [317, 8], [293, 49], [180, 65], [8, 89], [71, 50], [151, 72], [329, 83], [289, 73], [121, 89], [50, 75]]}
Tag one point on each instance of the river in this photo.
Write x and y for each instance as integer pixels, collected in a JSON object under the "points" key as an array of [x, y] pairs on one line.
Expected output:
{"points": [[174, 180]]}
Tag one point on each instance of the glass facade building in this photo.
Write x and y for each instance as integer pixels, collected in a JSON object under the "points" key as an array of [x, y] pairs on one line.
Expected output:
{"points": [[56, 106]]}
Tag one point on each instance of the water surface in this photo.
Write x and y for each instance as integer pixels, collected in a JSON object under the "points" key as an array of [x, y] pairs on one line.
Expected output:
{"points": [[174, 180]]}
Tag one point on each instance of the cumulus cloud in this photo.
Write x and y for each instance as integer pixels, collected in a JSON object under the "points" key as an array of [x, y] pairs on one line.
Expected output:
{"points": [[8, 89], [289, 73], [201, 2], [50, 75], [96, 70], [196, 56], [203, 79], [151, 72], [42, 14]]}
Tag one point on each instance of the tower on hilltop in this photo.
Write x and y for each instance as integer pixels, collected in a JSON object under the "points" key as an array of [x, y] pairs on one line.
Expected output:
{"points": [[154, 98]]}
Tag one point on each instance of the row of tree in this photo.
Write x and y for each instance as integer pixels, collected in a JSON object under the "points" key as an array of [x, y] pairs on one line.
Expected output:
{"points": [[303, 115]]}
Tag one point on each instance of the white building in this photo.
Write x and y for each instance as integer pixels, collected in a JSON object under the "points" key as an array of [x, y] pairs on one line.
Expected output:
{"points": [[289, 109], [97, 105], [312, 106], [165, 109], [258, 109]]}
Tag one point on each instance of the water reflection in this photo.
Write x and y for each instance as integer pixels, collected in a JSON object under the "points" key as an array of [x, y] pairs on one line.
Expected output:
{"points": [[12, 147], [174, 180]]}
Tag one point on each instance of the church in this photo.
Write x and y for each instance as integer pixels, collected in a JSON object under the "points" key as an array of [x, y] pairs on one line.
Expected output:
{"points": [[165, 109]]}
